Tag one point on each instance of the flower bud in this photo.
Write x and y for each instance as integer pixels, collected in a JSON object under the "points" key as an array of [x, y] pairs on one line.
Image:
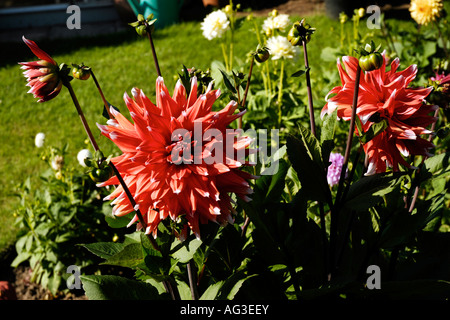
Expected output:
{"points": [[273, 13], [371, 59], [43, 76], [228, 9], [361, 12], [300, 32], [262, 54], [343, 17], [143, 26], [81, 72]]}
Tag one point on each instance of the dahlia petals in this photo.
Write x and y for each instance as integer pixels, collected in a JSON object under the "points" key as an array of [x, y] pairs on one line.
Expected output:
{"points": [[191, 188], [41, 54]]}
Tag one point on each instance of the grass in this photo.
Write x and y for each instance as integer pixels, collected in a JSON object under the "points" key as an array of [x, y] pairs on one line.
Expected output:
{"points": [[120, 62]]}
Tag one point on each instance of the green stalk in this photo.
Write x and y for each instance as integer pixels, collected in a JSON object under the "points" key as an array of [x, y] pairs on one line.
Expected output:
{"points": [[225, 57], [308, 85], [280, 93]]}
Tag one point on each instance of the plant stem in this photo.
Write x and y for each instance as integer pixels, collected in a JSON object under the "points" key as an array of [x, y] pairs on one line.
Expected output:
{"points": [[96, 148], [308, 85], [244, 99], [101, 94], [336, 207], [225, 57], [269, 80], [231, 50], [192, 281], [155, 59], [417, 187], [280, 93]]}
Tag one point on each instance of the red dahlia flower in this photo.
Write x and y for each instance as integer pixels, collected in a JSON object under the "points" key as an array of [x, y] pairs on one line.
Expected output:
{"points": [[384, 95], [43, 75], [167, 152]]}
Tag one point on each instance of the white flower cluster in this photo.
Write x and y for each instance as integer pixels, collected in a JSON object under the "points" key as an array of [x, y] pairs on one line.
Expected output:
{"points": [[280, 22], [280, 48], [215, 25]]}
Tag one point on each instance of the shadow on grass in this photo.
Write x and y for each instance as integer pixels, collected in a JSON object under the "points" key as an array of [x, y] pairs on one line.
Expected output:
{"points": [[14, 52]]}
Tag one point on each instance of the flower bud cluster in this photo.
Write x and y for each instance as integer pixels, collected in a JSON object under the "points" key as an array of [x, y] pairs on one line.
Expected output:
{"points": [[300, 33]]}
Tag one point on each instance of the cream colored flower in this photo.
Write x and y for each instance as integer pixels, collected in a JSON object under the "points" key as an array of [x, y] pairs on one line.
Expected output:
{"points": [[279, 22], [425, 11], [215, 25], [280, 48]]}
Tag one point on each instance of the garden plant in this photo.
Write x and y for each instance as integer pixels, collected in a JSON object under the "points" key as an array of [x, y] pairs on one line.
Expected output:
{"points": [[259, 177]]}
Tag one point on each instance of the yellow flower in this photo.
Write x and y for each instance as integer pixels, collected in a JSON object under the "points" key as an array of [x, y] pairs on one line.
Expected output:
{"points": [[425, 11]]}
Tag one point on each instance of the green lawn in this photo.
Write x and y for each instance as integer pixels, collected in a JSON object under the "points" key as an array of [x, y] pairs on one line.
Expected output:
{"points": [[120, 62]]}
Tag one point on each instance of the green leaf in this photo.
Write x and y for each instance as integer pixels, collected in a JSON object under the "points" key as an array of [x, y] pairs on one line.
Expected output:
{"points": [[104, 250], [212, 291], [130, 256], [184, 251], [299, 73], [312, 144], [330, 54], [275, 183], [108, 287], [327, 136], [231, 287], [373, 131], [310, 172], [228, 81], [368, 191]]}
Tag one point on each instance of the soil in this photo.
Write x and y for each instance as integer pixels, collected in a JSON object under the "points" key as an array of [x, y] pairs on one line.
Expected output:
{"points": [[27, 290]]}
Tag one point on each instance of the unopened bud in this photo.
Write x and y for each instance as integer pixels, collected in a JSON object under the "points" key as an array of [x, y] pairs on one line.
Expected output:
{"points": [[299, 33], [262, 54], [81, 72]]}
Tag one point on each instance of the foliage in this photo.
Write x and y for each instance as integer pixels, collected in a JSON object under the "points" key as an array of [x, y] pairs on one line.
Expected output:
{"points": [[54, 218]]}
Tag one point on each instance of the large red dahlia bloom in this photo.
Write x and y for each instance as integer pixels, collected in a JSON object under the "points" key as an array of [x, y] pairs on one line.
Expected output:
{"points": [[175, 159], [385, 95]]}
